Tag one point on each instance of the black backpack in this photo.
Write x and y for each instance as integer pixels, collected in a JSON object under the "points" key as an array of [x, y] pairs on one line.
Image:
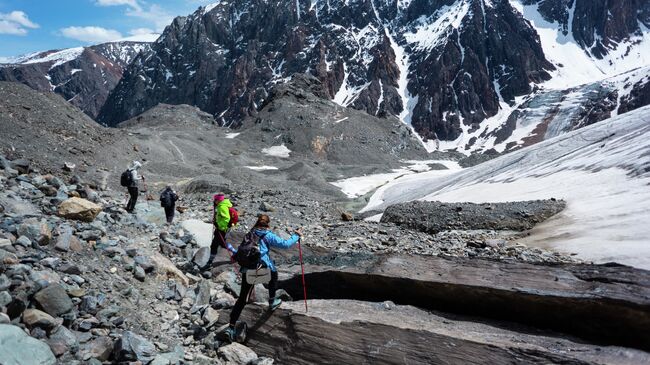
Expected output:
{"points": [[127, 178], [248, 254], [166, 199]]}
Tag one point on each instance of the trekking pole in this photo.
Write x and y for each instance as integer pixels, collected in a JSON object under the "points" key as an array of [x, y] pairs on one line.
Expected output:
{"points": [[302, 267]]}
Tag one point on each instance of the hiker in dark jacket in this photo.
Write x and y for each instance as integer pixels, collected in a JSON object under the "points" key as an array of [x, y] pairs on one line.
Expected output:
{"points": [[133, 186], [267, 239], [168, 199]]}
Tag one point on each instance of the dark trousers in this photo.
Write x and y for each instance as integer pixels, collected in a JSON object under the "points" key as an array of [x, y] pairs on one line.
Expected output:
{"points": [[245, 291], [133, 198], [169, 213], [218, 239]]}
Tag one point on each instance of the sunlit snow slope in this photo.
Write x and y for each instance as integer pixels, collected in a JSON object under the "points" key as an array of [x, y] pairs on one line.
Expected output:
{"points": [[602, 171]]}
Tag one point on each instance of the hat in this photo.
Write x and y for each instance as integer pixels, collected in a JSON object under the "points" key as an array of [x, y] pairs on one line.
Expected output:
{"points": [[218, 197]]}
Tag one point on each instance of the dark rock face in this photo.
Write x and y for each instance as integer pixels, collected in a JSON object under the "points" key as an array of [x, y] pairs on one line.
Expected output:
{"points": [[433, 217], [379, 57], [83, 76], [612, 311], [639, 96]]}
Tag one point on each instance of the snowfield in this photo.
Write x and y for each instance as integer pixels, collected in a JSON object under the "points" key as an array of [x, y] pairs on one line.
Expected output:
{"points": [[602, 171], [361, 185]]}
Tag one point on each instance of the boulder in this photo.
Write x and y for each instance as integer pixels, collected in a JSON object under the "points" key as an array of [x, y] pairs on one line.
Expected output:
{"points": [[144, 262], [210, 317], [5, 242], [202, 257], [54, 300], [132, 347], [79, 209], [66, 240], [266, 207], [35, 318], [24, 241], [138, 273], [5, 298], [236, 353], [100, 348], [21, 165], [36, 231], [202, 299], [166, 267], [63, 340], [347, 217], [17, 348]]}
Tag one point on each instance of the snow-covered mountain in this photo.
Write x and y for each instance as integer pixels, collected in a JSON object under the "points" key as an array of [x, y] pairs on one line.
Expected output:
{"points": [[84, 75], [602, 171], [462, 72]]}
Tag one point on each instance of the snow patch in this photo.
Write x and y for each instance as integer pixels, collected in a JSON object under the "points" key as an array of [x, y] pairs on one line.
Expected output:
{"points": [[360, 185], [58, 57], [277, 151], [261, 168], [232, 135], [434, 30]]}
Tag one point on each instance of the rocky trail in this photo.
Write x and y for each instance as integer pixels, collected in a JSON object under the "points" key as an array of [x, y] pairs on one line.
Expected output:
{"points": [[82, 281]]}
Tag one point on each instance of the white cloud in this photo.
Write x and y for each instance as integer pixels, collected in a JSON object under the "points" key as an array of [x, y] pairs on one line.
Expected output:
{"points": [[15, 23], [141, 31], [153, 14], [91, 34], [132, 3]]}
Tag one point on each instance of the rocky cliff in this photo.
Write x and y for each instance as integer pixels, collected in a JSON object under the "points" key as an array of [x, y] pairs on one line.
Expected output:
{"points": [[434, 64], [452, 69], [84, 76]]}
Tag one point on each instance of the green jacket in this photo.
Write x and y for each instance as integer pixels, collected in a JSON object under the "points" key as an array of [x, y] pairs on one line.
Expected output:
{"points": [[222, 215]]}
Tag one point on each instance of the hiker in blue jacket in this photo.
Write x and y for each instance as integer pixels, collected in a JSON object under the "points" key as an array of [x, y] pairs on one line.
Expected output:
{"points": [[267, 239]]}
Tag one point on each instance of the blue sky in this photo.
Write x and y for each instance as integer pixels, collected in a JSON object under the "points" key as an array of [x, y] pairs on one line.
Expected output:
{"points": [[35, 25]]}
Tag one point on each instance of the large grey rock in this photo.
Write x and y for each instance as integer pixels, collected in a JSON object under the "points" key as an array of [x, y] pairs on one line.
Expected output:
{"points": [[66, 240], [138, 273], [17, 348], [36, 231], [63, 340], [100, 348], [202, 257], [170, 358], [202, 299], [5, 298], [35, 318], [236, 353], [132, 347], [54, 300], [22, 165], [144, 262], [5, 283]]}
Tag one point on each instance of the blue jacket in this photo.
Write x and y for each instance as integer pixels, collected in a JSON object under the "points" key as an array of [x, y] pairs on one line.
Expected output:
{"points": [[272, 240]]}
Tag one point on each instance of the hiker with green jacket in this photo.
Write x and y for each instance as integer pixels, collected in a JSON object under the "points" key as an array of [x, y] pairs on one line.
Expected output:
{"points": [[223, 219]]}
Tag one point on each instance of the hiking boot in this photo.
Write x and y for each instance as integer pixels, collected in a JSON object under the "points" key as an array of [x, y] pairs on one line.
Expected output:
{"points": [[274, 304], [230, 333]]}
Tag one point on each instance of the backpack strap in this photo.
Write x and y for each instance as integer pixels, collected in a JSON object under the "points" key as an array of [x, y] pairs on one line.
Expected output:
{"points": [[261, 238]]}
